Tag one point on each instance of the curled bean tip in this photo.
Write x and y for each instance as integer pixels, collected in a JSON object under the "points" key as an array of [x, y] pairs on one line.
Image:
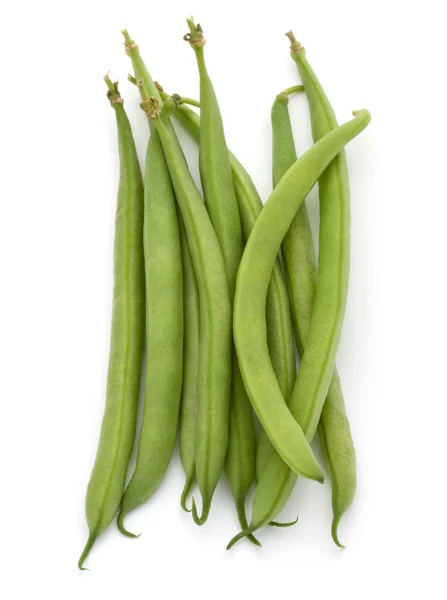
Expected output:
{"points": [[289, 524], [334, 530], [205, 512], [88, 546], [239, 536], [185, 492], [124, 531]]}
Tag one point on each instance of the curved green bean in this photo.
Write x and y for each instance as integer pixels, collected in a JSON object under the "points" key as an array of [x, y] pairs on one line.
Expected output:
{"points": [[164, 333], [221, 202], [265, 447], [126, 347], [278, 479], [279, 320], [300, 267], [215, 311]]}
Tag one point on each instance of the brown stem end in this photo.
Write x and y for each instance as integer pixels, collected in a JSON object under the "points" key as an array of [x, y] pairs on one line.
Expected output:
{"points": [[112, 91], [195, 35], [295, 46]]}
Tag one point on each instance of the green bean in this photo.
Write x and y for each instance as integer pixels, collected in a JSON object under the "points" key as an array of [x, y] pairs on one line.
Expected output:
{"points": [[221, 202], [215, 170], [300, 266], [187, 434], [215, 311], [279, 323], [188, 412], [278, 479], [164, 333], [265, 447], [191, 306], [119, 421]]}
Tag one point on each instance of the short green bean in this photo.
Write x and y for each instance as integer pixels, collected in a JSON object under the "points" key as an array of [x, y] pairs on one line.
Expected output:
{"points": [[126, 347]]}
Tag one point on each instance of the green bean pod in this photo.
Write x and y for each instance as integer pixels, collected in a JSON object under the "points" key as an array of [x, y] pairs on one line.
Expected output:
{"points": [[265, 447], [221, 202], [187, 435], [214, 381], [108, 477], [277, 480], [191, 354], [214, 164], [164, 333], [300, 266], [334, 259], [279, 320]]}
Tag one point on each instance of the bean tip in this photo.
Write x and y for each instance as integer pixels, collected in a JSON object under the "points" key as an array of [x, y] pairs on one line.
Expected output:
{"points": [[334, 530]]}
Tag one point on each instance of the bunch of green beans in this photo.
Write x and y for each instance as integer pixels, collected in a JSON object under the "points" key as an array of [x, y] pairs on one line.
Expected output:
{"points": [[222, 291]]}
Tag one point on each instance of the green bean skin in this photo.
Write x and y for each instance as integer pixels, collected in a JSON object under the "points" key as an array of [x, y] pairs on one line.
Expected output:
{"points": [[278, 479], [215, 169], [126, 347], [221, 202], [338, 448], [279, 320], [164, 333], [300, 266], [188, 416], [133, 52], [215, 314], [334, 259], [281, 154], [191, 344]]}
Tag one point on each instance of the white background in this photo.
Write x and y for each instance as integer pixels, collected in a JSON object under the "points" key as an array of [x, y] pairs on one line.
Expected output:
{"points": [[58, 191]]}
